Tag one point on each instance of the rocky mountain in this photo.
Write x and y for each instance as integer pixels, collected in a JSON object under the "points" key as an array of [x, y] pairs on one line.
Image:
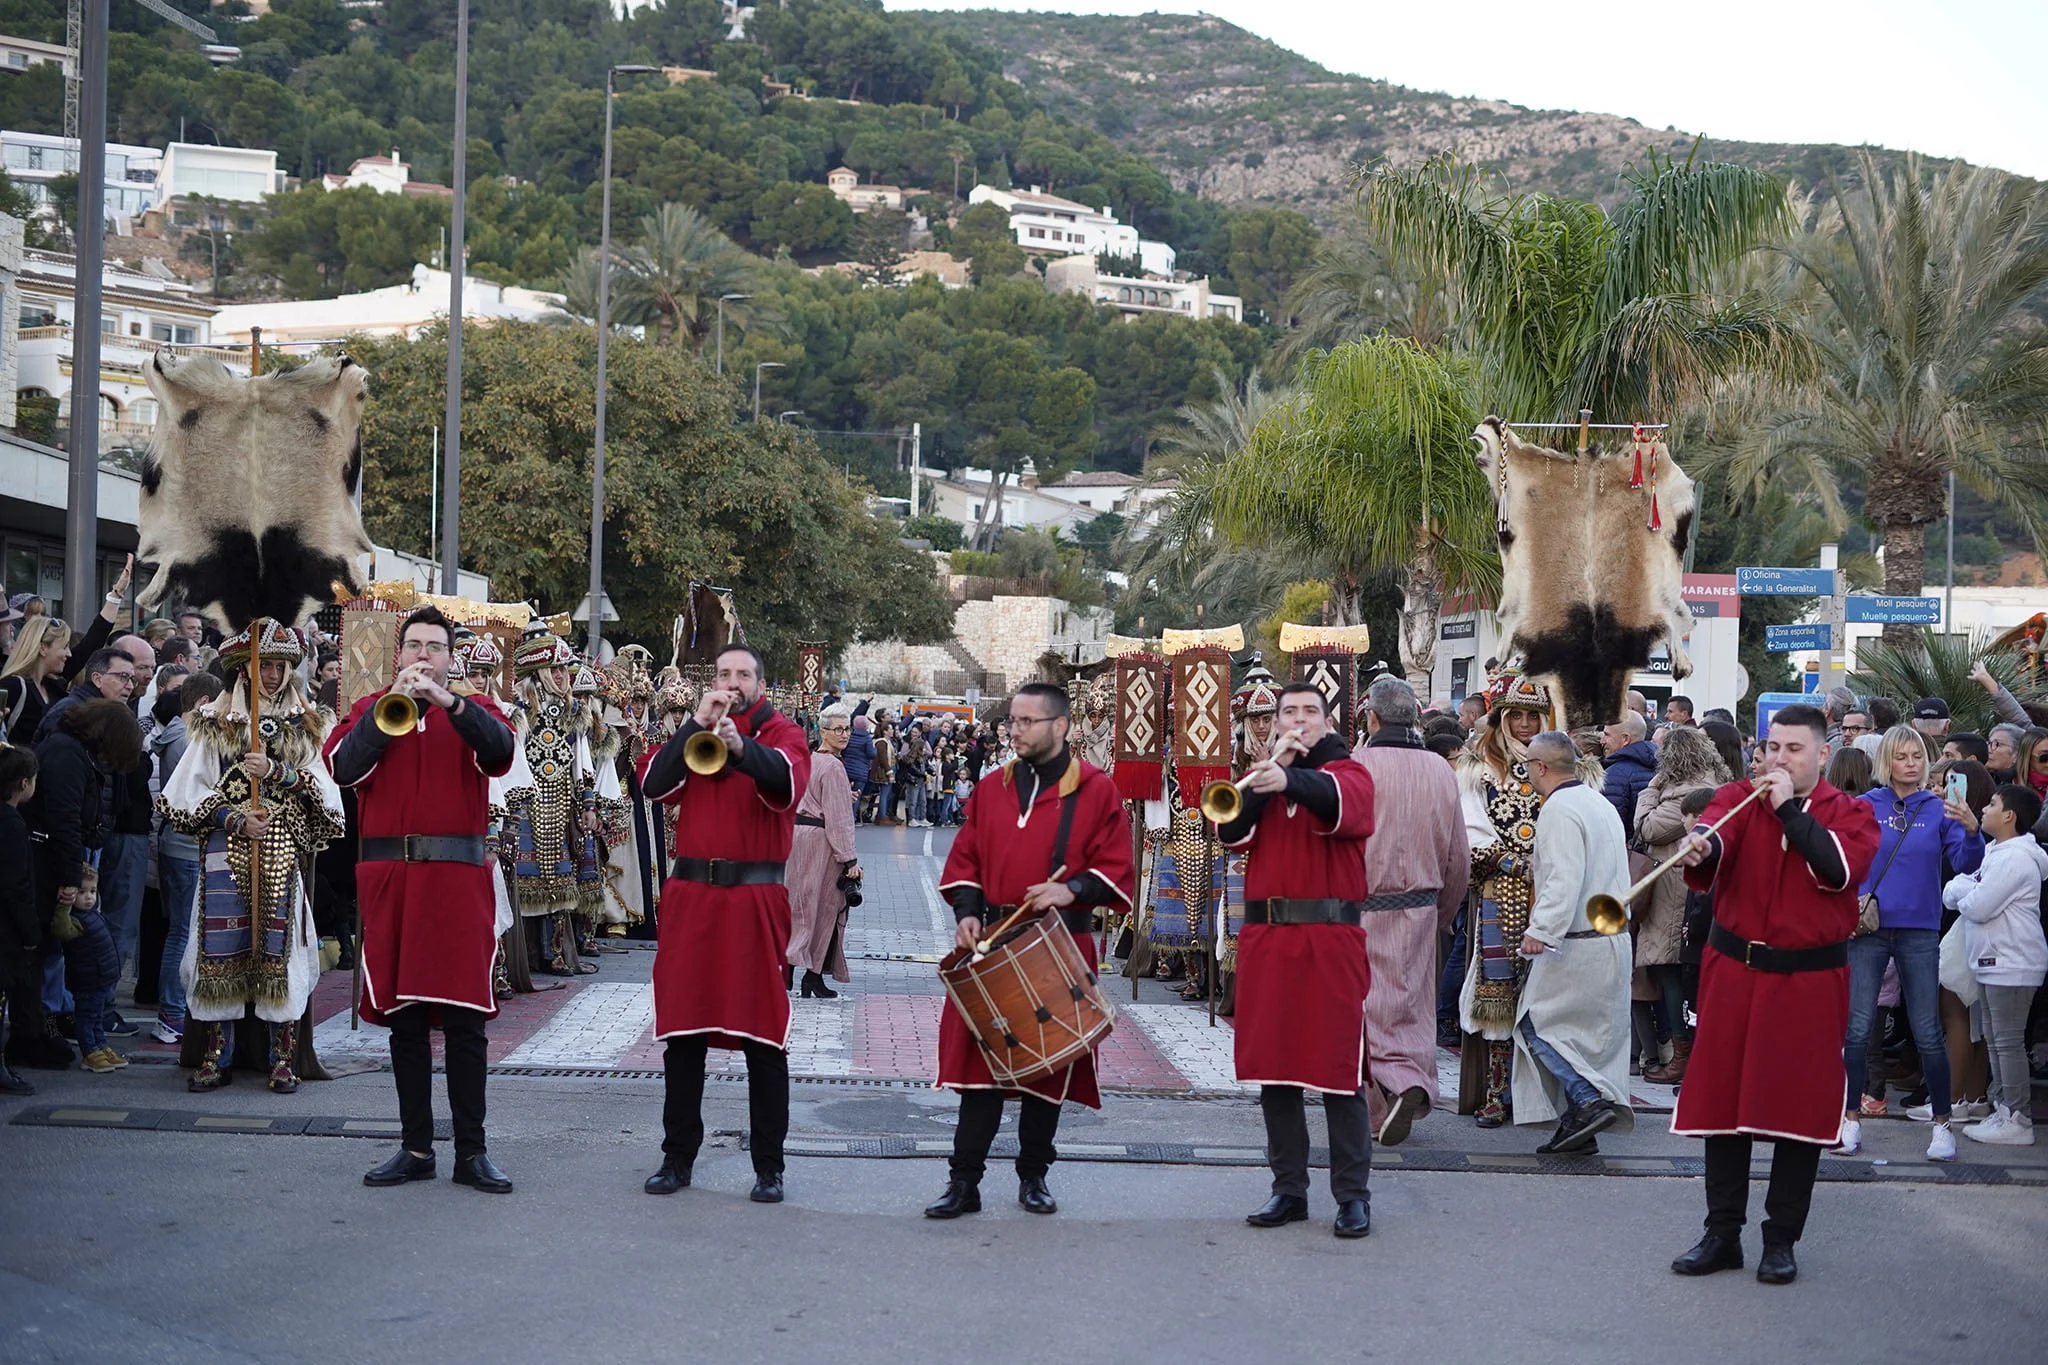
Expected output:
{"points": [[1242, 120]]}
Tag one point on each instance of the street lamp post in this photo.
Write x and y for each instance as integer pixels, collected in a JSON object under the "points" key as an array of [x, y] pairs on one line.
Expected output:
{"points": [[722, 300], [782, 418], [763, 365], [604, 330], [451, 452]]}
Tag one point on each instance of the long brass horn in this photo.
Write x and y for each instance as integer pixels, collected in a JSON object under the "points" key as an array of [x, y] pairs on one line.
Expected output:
{"points": [[1223, 801], [395, 713], [705, 754], [1609, 914]]}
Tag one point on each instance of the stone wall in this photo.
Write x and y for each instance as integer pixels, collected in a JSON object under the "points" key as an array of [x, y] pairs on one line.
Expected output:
{"points": [[1002, 639]]}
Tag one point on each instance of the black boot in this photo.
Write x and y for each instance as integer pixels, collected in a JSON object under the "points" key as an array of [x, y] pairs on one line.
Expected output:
{"points": [[674, 1175], [1716, 1251], [788, 976], [1280, 1209], [961, 1196], [1034, 1195], [814, 985], [767, 1187], [1777, 1265]]}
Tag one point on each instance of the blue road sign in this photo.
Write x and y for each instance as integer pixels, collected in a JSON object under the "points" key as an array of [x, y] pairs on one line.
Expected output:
{"points": [[1769, 704], [1783, 639], [1917, 611], [1764, 582]]}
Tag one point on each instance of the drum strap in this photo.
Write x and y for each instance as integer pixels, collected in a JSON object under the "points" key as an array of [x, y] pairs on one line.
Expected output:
{"points": [[1059, 843]]}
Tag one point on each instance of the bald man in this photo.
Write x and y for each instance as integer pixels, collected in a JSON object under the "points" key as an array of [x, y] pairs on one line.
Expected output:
{"points": [[1631, 763]]}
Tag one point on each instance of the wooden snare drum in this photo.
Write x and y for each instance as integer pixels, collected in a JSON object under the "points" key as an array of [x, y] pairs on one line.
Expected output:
{"points": [[1031, 1001]]}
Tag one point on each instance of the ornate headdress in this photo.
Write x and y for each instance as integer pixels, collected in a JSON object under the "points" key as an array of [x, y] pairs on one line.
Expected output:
{"points": [[584, 684], [539, 650], [277, 642], [1515, 691], [478, 654]]}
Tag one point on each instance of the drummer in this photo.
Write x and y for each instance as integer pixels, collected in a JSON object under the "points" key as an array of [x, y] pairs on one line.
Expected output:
{"points": [[1050, 831], [1301, 965]]}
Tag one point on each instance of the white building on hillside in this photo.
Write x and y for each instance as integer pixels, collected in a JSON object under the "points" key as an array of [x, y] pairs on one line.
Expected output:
{"points": [[19, 54], [845, 185], [384, 174], [140, 310], [241, 175], [33, 160], [398, 310], [968, 497], [1137, 297], [1051, 225]]}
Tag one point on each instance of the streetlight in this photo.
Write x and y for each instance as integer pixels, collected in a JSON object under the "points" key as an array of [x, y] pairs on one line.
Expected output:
{"points": [[604, 301], [782, 418], [723, 299], [763, 365]]}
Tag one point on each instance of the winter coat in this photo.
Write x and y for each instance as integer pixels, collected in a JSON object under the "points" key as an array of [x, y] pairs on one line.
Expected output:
{"points": [[20, 926], [66, 811], [2001, 910], [858, 758], [1629, 770], [1660, 825]]}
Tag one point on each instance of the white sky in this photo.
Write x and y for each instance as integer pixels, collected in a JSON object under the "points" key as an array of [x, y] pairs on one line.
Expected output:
{"points": [[1949, 78]]}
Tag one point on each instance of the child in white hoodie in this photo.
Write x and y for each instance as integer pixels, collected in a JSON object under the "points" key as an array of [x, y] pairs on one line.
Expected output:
{"points": [[2008, 954]]}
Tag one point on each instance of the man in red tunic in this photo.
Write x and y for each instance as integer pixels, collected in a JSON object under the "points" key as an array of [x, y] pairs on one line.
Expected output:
{"points": [[1051, 831], [723, 925], [430, 930], [1774, 990], [1302, 974]]}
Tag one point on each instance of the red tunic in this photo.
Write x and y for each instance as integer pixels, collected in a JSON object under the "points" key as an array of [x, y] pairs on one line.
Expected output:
{"points": [[1301, 988], [1003, 861], [1767, 1056], [429, 929], [719, 952]]}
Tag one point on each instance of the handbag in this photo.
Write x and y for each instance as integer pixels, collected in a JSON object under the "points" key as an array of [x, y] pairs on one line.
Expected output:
{"points": [[1954, 969], [1867, 907]]}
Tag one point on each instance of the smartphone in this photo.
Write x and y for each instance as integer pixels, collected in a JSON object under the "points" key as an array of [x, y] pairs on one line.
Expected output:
{"points": [[1958, 788]]}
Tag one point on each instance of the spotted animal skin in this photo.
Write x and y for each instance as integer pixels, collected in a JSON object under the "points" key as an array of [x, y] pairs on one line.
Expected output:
{"points": [[248, 489], [1591, 565]]}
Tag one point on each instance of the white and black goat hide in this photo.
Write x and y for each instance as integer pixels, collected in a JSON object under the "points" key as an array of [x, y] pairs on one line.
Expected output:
{"points": [[1587, 586], [248, 489]]}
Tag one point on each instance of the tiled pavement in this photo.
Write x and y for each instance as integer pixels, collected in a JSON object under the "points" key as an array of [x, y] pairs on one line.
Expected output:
{"points": [[884, 1023]]}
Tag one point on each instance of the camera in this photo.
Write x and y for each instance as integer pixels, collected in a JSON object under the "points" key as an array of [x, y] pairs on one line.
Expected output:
{"points": [[849, 887]]}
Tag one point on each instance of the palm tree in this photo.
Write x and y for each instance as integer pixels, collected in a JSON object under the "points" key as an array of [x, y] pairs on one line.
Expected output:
{"points": [[1929, 663], [678, 271], [1369, 472], [1216, 430], [1566, 306], [1354, 289], [1929, 358]]}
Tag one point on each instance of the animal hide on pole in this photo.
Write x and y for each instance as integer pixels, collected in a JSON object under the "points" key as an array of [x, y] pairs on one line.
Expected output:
{"points": [[248, 489], [1592, 549]]}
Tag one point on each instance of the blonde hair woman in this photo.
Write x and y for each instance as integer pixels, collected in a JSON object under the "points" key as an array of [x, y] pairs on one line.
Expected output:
{"points": [[33, 677], [1687, 761]]}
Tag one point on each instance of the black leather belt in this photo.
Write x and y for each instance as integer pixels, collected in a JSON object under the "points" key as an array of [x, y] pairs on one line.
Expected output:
{"points": [[1587, 933], [425, 848], [1763, 957], [1399, 900], [1290, 910], [1079, 919], [813, 821], [726, 872]]}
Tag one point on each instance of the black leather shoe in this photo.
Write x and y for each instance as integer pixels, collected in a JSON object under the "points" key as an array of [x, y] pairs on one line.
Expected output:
{"points": [[1281, 1208], [1354, 1218], [1716, 1251], [674, 1175], [961, 1196], [767, 1187], [1402, 1112], [1777, 1265], [402, 1166], [1034, 1195], [1581, 1124], [11, 1084], [1564, 1125], [478, 1172]]}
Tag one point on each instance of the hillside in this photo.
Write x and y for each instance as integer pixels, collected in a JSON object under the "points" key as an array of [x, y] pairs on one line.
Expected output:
{"points": [[1236, 118]]}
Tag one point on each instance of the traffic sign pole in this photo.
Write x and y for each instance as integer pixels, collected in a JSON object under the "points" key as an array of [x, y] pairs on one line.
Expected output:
{"points": [[1837, 620]]}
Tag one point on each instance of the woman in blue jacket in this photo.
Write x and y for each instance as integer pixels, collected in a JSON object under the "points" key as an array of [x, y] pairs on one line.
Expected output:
{"points": [[1919, 829]]}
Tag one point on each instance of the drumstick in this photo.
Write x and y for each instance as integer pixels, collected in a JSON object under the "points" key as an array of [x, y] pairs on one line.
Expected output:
{"points": [[981, 948]]}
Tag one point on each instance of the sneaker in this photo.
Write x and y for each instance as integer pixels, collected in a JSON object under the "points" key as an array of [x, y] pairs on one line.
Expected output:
{"points": [[117, 1027], [1941, 1145], [1852, 1139], [2003, 1129], [164, 1031], [1924, 1113], [1874, 1107], [102, 1060], [1987, 1131], [1974, 1109]]}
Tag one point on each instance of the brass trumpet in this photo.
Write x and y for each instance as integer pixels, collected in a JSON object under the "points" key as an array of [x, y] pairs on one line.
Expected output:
{"points": [[1609, 914], [704, 753], [395, 713], [1223, 801]]}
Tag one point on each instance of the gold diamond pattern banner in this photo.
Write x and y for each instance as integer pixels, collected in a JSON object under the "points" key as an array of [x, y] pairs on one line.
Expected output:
{"points": [[1201, 720]]}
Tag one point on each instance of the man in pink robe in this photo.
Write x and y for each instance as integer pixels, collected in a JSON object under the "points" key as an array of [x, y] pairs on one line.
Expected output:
{"points": [[1418, 864]]}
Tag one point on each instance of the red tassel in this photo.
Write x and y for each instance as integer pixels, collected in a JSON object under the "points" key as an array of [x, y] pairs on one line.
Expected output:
{"points": [[1656, 517], [1137, 781], [1635, 480], [1192, 779]]}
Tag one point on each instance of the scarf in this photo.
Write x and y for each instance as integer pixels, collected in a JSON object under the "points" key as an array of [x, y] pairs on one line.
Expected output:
{"points": [[1395, 737]]}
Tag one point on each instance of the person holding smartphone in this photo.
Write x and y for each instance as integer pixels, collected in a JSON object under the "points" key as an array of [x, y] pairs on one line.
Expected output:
{"points": [[1917, 829]]}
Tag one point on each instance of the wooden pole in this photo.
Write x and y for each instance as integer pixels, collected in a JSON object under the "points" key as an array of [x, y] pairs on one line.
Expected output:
{"points": [[1137, 809], [1215, 894]]}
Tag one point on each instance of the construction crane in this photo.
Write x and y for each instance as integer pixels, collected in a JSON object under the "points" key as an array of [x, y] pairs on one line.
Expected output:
{"points": [[74, 22]]}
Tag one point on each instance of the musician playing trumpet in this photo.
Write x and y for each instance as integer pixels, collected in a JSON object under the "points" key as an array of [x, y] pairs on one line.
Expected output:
{"points": [[1774, 989]]}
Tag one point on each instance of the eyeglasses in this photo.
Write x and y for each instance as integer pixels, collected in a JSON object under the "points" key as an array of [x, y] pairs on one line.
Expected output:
{"points": [[423, 647], [1016, 721]]}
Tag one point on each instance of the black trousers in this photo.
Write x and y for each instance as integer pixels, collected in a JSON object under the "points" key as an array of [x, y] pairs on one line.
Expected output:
{"points": [[981, 1114], [1786, 1200], [1286, 1110], [682, 1109], [412, 1066]]}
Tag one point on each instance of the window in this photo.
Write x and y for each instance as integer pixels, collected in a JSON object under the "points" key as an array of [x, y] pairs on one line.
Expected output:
{"points": [[35, 158], [135, 329], [977, 511], [1038, 232], [164, 331], [143, 411], [110, 325]]}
